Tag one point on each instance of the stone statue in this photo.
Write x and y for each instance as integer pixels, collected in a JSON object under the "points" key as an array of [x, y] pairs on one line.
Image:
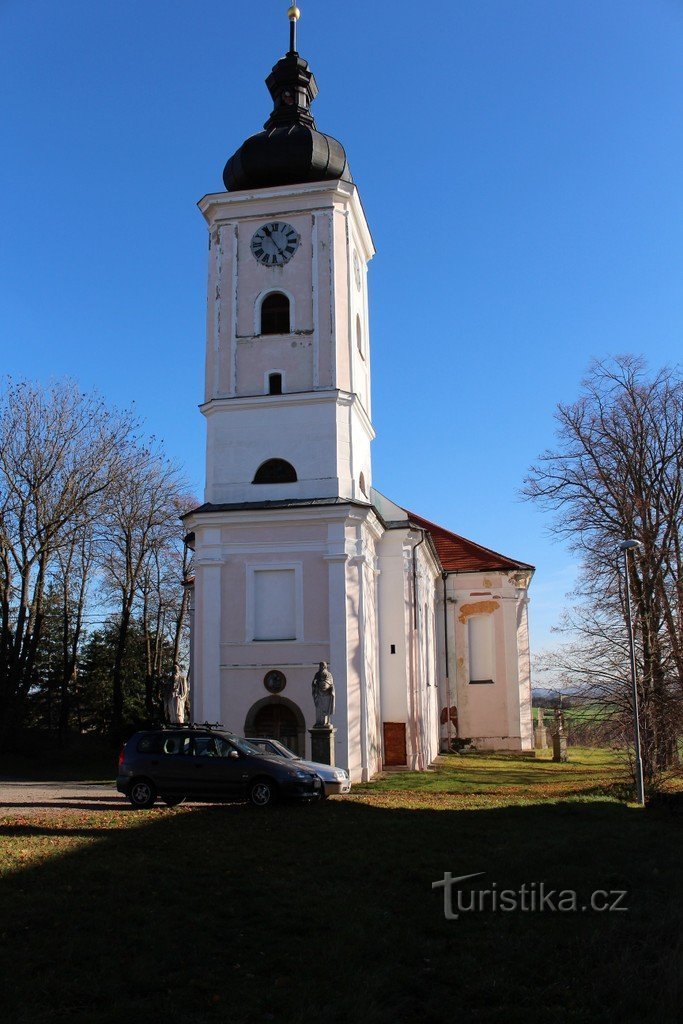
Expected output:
{"points": [[174, 690], [323, 696], [559, 732]]}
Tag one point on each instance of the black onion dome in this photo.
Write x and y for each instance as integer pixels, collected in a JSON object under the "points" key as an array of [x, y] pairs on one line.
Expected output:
{"points": [[290, 150]]}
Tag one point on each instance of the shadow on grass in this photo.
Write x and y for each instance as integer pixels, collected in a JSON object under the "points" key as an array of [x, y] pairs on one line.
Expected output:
{"points": [[326, 913], [44, 831]]}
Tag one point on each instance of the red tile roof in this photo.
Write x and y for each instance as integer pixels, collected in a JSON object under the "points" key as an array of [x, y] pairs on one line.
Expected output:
{"points": [[457, 554]]}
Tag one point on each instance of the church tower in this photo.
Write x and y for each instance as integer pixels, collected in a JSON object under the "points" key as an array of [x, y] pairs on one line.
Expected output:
{"points": [[285, 540], [287, 397]]}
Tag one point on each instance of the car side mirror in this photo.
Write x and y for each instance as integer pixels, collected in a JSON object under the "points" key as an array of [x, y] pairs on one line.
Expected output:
{"points": [[234, 754]]}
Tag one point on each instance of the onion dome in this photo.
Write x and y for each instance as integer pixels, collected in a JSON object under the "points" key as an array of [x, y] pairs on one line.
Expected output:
{"points": [[290, 150]]}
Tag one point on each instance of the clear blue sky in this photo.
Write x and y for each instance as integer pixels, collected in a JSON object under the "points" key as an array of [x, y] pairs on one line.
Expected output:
{"points": [[520, 163]]}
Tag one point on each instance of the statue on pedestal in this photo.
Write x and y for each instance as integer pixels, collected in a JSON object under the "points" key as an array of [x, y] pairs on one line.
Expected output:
{"points": [[174, 690], [559, 732], [323, 696]]}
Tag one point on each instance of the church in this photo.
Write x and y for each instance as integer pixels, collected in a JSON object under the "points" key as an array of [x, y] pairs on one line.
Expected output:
{"points": [[299, 558]]}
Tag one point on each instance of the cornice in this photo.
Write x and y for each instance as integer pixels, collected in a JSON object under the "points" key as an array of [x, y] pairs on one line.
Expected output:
{"points": [[292, 399], [224, 206]]}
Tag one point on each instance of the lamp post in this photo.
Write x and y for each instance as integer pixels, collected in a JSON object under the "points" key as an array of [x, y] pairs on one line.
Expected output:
{"points": [[625, 547]]}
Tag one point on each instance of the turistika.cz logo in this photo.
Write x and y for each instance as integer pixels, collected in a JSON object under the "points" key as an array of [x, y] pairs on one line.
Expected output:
{"points": [[529, 898]]}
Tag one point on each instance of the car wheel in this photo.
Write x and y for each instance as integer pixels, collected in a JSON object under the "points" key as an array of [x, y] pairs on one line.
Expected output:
{"points": [[142, 794], [173, 801], [262, 793]]}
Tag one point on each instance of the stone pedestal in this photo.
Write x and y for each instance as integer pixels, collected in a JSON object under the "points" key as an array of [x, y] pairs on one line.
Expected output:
{"points": [[559, 736], [322, 744], [540, 732], [541, 738], [560, 747]]}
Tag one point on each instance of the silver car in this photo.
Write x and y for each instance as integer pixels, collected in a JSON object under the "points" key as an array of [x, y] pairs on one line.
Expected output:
{"points": [[334, 780]]}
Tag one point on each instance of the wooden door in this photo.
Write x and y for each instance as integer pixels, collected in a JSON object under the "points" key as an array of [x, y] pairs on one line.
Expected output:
{"points": [[395, 744], [278, 722]]}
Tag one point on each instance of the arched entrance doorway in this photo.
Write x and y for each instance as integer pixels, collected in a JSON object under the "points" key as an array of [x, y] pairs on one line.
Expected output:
{"points": [[278, 719]]}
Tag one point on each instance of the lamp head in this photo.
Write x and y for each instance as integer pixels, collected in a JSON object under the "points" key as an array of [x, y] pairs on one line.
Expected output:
{"points": [[629, 545]]}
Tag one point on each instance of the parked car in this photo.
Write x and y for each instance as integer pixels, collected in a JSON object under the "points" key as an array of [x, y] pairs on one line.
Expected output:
{"points": [[208, 764], [335, 780]]}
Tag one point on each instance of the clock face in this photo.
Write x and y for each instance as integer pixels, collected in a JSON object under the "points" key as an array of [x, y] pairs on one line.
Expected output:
{"points": [[275, 243], [356, 269]]}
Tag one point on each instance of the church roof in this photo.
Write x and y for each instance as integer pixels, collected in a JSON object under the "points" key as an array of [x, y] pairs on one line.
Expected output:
{"points": [[457, 554], [290, 150]]}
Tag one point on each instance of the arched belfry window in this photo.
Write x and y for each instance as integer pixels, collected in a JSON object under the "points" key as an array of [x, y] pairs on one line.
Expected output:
{"points": [[275, 471], [275, 318], [359, 335]]}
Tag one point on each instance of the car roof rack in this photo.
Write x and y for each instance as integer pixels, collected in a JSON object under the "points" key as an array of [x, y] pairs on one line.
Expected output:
{"points": [[170, 727]]}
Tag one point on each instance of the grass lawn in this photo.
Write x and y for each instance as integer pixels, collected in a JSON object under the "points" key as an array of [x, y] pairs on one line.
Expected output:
{"points": [[497, 779], [326, 913]]}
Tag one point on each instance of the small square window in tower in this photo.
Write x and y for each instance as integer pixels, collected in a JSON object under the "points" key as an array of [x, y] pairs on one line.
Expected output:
{"points": [[275, 317]]}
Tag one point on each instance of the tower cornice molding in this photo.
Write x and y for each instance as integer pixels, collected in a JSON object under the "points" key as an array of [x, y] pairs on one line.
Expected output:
{"points": [[338, 513], [222, 207], [293, 399]]}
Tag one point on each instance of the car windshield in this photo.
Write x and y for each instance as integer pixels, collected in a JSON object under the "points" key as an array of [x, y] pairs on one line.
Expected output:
{"points": [[268, 745], [285, 751], [244, 746]]}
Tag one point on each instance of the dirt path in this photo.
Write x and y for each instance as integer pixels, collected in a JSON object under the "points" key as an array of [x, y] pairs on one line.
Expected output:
{"points": [[24, 799]]}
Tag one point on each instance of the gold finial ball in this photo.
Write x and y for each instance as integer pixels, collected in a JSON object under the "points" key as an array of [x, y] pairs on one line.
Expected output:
{"points": [[293, 13]]}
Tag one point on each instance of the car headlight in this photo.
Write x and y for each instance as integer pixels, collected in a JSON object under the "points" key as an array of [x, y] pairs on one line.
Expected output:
{"points": [[341, 775], [302, 775]]}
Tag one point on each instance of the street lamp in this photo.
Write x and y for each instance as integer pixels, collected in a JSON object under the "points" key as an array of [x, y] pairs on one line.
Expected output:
{"points": [[626, 546]]}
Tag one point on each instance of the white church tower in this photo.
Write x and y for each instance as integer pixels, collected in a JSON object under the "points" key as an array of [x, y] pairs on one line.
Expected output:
{"points": [[285, 542]]}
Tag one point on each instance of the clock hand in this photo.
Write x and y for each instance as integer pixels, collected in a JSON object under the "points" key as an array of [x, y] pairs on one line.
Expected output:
{"points": [[270, 236]]}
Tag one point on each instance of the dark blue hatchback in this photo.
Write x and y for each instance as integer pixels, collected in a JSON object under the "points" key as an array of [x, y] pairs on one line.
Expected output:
{"points": [[207, 764]]}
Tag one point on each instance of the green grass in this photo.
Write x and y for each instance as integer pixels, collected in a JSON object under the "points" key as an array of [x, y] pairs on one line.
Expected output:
{"points": [[326, 913], [498, 778]]}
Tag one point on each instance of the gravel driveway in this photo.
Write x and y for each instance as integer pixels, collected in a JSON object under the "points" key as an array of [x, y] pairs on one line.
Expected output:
{"points": [[24, 799]]}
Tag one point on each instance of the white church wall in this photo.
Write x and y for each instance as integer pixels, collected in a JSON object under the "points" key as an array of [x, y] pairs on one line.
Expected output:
{"points": [[332, 610], [355, 434], [484, 610], [424, 730], [524, 669], [242, 434], [407, 643], [341, 327], [362, 661], [393, 628]]}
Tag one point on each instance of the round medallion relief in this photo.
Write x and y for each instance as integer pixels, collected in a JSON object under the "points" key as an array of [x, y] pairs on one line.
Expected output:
{"points": [[274, 681]]}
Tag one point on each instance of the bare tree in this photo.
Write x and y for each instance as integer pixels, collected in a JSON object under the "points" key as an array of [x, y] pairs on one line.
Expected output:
{"points": [[74, 570], [616, 473], [140, 524], [60, 453], [164, 597]]}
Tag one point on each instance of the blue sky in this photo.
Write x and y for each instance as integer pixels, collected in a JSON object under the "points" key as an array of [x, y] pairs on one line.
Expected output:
{"points": [[520, 164]]}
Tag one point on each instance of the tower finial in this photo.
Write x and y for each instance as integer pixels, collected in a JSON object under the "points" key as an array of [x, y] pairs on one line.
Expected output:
{"points": [[293, 14]]}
